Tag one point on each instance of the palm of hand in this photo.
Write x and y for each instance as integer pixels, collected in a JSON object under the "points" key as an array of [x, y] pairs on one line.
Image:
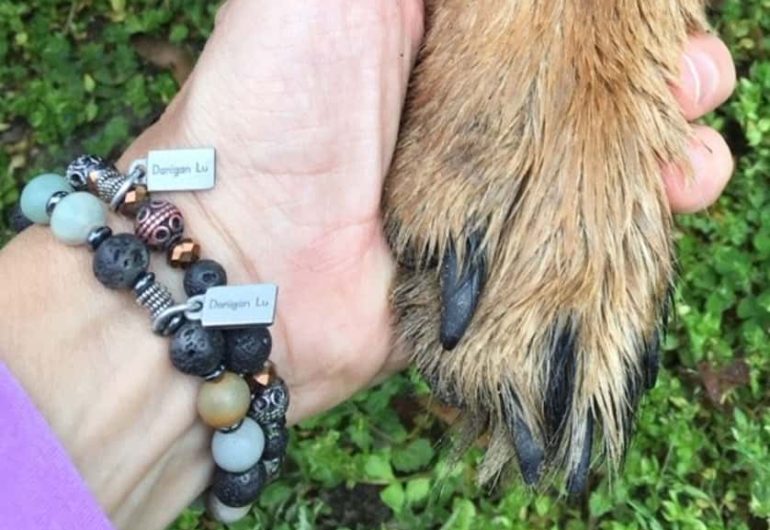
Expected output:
{"points": [[304, 134]]}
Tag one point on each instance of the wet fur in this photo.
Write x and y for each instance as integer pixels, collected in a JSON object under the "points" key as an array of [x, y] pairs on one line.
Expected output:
{"points": [[538, 127]]}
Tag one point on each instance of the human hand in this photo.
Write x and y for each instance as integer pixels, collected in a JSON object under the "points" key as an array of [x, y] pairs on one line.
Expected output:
{"points": [[305, 134], [301, 100]]}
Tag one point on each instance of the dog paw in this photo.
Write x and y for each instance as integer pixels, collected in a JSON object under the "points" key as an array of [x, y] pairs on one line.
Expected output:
{"points": [[526, 209]]}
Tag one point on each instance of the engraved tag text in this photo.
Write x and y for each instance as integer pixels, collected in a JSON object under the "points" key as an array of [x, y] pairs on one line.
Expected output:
{"points": [[236, 306], [181, 169]]}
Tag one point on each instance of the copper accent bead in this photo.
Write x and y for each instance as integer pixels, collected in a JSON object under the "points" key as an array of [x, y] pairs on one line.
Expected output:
{"points": [[184, 253], [224, 402], [92, 181], [134, 200], [266, 376], [159, 224]]}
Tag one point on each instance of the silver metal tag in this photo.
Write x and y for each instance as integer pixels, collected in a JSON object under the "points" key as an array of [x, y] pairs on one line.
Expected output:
{"points": [[237, 306], [181, 169]]}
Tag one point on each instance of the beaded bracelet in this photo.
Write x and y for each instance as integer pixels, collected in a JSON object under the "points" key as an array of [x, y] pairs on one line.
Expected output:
{"points": [[241, 396]]}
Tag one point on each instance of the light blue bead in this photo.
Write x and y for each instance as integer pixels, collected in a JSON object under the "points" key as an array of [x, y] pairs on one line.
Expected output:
{"points": [[76, 216], [35, 195], [223, 513], [240, 449]]}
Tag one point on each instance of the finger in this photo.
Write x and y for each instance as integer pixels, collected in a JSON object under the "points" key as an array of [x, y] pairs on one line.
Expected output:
{"points": [[712, 165], [707, 76]]}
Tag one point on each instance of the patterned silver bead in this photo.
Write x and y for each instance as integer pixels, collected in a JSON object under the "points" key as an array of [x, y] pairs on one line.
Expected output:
{"points": [[107, 185], [156, 298], [86, 169], [271, 404]]}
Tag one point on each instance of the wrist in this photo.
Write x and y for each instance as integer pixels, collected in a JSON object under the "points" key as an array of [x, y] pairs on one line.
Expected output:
{"points": [[102, 380]]}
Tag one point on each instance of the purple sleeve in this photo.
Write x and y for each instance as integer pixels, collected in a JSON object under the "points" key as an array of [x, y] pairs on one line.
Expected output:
{"points": [[40, 489]]}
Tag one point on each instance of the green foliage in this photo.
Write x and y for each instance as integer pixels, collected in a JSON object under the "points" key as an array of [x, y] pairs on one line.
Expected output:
{"points": [[70, 80]]}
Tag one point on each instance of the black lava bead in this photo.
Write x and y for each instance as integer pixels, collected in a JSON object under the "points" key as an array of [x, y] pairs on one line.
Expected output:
{"points": [[203, 274], [120, 260], [276, 440], [271, 405], [239, 489], [196, 350], [18, 221], [247, 349]]}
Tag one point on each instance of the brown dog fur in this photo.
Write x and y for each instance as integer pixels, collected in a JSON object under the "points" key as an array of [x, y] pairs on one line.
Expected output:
{"points": [[542, 125]]}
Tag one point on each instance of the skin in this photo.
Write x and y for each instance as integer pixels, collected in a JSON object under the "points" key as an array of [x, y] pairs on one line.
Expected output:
{"points": [[304, 119]]}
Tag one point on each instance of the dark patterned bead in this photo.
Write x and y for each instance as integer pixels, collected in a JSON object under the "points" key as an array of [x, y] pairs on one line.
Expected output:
{"points": [[159, 224], [276, 440], [120, 261], [196, 350], [202, 275], [17, 221], [239, 489], [272, 467], [270, 405], [247, 349], [88, 168], [99, 236]]}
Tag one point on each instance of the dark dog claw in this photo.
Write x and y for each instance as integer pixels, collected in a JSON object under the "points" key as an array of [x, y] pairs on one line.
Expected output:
{"points": [[651, 365], [460, 291], [528, 451], [578, 479]]}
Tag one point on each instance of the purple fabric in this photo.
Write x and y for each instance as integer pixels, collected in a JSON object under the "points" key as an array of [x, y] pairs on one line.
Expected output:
{"points": [[40, 489]]}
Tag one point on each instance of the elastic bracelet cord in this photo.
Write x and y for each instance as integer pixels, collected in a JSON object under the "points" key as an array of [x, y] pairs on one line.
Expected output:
{"points": [[241, 396]]}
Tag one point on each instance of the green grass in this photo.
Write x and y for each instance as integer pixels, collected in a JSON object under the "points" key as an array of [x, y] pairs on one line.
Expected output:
{"points": [[70, 82]]}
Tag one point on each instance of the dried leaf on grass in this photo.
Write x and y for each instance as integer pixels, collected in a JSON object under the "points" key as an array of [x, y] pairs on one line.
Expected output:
{"points": [[718, 381], [165, 55]]}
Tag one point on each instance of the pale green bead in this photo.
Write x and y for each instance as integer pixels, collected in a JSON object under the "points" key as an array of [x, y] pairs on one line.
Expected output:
{"points": [[76, 216], [238, 450], [223, 513], [34, 197]]}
